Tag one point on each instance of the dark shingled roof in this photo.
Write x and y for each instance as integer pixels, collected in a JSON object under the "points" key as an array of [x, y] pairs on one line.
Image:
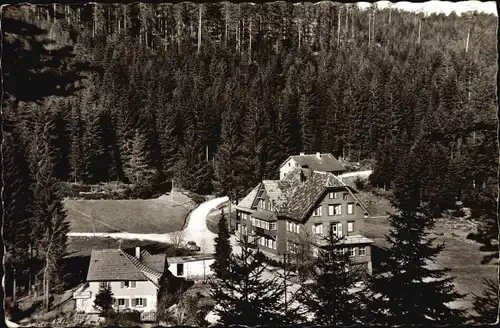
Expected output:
{"points": [[115, 264], [295, 195], [264, 215], [323, 163]]}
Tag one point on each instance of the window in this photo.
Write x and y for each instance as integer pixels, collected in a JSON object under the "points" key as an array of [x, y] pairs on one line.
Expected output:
{"points": [[334, 210], [362, 251], [104, 284], [261, 204], [272, 226], [121, 302], [292, 227], [318, 228], [350, 208], [317, 211], [128, 284], [336, 229], [335, 195], [350, 226], [352, 252], [180, 269], [139, 301], [330, 195], [345, 196]]}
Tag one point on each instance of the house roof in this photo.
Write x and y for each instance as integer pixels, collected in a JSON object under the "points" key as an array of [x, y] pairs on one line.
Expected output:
{"points": [[296, 194], [190, 258], [247, 201], [115, 264], [264, 215], [318, 162]]}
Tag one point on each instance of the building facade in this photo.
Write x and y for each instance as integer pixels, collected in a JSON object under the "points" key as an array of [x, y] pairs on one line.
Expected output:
{"points": [[133, 280], [316, 162], [297, 212], [191, 267]]}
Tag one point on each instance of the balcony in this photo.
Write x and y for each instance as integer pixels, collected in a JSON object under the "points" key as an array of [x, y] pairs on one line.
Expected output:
{"points": [[264, 232]]}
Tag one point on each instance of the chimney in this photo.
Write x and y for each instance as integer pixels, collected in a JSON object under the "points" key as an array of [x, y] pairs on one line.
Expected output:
{"points": [[318, 155], [302, 154], [138, 252]]}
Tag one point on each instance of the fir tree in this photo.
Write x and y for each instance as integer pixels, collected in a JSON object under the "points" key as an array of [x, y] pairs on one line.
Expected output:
{"points": [[247, 297], [223, 249], [104, 300], [168, 140], [94, 149], [228, 160], [50, 231], [487, 304], [17, 201], [330, 297], [193, 172], [138, 168], [406, 288]]}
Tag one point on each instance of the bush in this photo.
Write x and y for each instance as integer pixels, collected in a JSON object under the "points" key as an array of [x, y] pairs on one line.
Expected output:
{"points": [[125, 318]]}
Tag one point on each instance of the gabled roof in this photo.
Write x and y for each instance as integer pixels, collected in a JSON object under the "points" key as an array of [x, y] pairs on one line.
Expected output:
{"points": [[295, 195], [247, 201], [115, 264], [324, 162], [190, 258]]}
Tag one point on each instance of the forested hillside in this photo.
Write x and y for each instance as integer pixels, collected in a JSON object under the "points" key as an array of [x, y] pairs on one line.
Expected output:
{"points": [[191, 89], [216, 96]]}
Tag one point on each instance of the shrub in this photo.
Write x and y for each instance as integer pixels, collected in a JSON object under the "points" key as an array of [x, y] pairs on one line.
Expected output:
{"points": [[104, 300]]}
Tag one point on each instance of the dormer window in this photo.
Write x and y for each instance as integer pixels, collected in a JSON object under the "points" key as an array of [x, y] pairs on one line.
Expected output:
{"points": [[262, 204]]}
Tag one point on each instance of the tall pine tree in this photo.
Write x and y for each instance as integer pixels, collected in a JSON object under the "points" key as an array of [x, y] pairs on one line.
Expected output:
{"points": [[408, 288], [223, 249], [330, 297]]}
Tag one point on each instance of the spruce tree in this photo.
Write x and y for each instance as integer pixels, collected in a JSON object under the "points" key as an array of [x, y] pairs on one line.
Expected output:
{"points": [[104, 300], [223, 249], [17, 202], [407, 288], [137, 168], [228, 159], [94, 149], [51, 228], [247, 297], [193, 172], [487, 304], [330, 297]]}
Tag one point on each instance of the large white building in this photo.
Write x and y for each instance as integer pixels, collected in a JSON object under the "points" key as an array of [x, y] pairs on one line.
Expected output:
{"points": [[316, 162]]}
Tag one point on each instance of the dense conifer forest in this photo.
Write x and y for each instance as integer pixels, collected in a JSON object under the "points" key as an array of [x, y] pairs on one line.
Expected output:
{"points": [[216, 96]]}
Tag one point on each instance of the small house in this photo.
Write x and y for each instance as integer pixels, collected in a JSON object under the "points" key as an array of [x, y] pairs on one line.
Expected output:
{"points": [[133, 280], [192, 267]]}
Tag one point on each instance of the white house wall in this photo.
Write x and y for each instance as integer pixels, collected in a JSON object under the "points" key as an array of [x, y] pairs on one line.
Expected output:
{"points": [[143, 289], [193, 270], [287, 167]]}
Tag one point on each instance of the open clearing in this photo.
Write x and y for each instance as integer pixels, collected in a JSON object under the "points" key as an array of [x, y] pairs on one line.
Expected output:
{"points": [[462, 257], [157, 216]]}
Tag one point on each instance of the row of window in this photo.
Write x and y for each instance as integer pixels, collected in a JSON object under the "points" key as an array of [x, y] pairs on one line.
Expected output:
{"points": [[292, 227], [263, 224], [123, 284], [334, 210], [335, 195], [262, 205], [317, 228], [135, 302], [267, 242], [353, 251]]}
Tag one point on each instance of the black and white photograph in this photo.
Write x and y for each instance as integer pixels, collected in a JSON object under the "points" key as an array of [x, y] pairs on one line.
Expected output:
{"points": [[249, 164]]}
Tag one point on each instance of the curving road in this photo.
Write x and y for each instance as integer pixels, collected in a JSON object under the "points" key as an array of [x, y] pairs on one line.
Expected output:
{"points": [[196, 229]]}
